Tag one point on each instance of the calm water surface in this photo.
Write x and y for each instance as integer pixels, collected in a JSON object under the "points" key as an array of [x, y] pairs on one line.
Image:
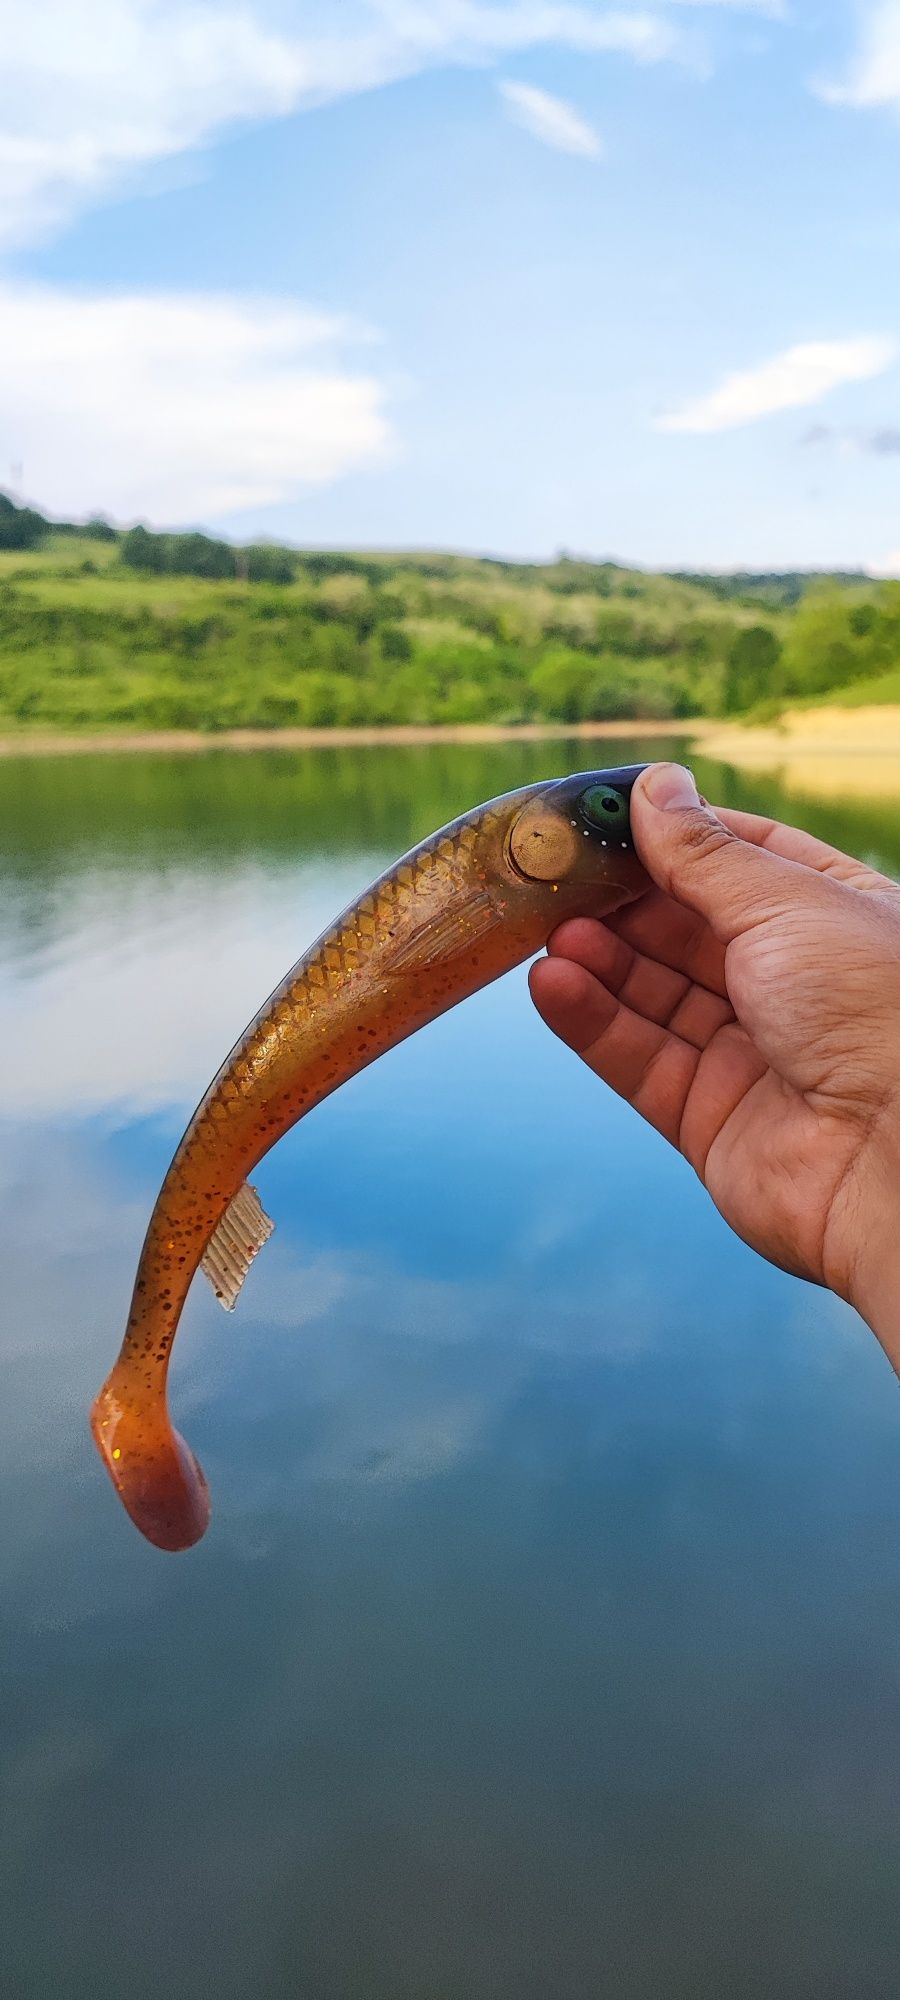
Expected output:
{"points": [[546, 1641]]}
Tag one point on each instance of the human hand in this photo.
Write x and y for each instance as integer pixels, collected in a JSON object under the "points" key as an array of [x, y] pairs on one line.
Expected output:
{"points": [[749, 1008]]}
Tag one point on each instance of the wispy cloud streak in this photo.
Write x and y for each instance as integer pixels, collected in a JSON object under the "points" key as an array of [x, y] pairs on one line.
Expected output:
{"points": [[797, 377], [551, 120]]}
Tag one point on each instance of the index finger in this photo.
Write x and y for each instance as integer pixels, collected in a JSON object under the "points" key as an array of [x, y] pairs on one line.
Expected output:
{"points": [[794, 845]]}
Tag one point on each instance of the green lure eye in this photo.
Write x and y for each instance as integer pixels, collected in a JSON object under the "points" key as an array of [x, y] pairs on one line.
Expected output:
{"points": [[605, 808]]}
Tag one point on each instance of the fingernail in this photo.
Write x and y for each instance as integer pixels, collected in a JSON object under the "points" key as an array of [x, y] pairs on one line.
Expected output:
{"points": [[670, 786]]}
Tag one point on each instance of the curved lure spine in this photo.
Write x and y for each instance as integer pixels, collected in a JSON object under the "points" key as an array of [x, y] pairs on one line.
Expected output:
{"points": [[468, 904]]}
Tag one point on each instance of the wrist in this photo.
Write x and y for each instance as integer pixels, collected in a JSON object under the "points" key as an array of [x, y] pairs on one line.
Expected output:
{"points": [[875, 1256]]}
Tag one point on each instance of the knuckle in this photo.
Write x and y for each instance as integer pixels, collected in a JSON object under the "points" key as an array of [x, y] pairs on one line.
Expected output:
{"points": [[703, 836], [700, 838]]}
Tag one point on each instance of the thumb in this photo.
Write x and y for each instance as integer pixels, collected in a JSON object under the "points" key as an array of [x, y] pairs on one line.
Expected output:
{"points": [[690, 854]]}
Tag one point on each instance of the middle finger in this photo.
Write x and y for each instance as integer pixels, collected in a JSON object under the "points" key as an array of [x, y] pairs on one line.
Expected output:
{"points": [[658, 993], [664, 930]]}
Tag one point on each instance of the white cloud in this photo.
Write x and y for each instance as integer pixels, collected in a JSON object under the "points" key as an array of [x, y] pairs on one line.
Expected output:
{"points": [[177, 407], [886, 566], [874, 74], [792, 380], [551, 119], [90, 94]]}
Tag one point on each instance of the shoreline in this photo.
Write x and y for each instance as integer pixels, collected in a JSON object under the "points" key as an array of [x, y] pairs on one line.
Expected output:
{"points": [[828, 748], [827, 753], [808, 732], [57, 743]]}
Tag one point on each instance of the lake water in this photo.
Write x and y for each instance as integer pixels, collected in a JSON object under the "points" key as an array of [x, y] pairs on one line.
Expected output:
{"points": [[546, 1641]]}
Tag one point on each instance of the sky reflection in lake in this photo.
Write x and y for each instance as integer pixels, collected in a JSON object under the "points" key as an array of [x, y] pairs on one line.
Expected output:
{"points": [[546, 1639]]}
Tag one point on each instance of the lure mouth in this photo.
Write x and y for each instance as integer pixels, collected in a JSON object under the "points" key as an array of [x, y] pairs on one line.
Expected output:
{"points": [[158, 1480]]}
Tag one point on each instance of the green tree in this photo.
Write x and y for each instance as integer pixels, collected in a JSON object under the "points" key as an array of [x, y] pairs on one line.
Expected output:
{"points": [[395, 643], [20, 527], [751, 669], [834, 639], [141, 550], [266, 563], [562, 683]]}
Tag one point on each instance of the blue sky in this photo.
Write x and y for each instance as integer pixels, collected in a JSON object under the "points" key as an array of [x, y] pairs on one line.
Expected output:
{"points": [[504, 277]]}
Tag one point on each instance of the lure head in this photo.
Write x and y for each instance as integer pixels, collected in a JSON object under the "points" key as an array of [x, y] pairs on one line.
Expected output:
{"points": [[577, 832]]}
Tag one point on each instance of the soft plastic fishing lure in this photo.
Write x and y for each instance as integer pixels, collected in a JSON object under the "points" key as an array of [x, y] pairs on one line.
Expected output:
{"points": [[468, 904]]}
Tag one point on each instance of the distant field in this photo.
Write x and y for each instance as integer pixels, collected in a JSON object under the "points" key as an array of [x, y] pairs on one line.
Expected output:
{"points": [[108, 632], [874, 691]]}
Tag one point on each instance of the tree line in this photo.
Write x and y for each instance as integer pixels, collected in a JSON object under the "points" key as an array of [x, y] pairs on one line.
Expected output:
{"points": [[141, 629]]}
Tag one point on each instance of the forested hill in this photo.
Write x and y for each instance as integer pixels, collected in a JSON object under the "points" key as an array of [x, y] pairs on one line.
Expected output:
{"points": [[102, 629]]}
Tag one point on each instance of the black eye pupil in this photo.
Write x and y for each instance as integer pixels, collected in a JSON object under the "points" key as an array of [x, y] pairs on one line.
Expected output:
{"points": [[609, 804]]}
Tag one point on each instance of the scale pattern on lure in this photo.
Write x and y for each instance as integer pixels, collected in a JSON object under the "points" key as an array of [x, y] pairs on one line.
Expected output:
{"points": [[468, 904]]}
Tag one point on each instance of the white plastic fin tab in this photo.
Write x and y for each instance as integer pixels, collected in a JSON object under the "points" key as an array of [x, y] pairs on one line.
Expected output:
{"points": [[243, 1230]]}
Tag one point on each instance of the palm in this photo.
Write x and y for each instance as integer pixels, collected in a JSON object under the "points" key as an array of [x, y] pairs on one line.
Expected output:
{"points": [[767, 1102], [770, 1178]]}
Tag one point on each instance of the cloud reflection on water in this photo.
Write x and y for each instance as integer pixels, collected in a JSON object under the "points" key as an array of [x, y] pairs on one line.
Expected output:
{"points": [[138, 989]]}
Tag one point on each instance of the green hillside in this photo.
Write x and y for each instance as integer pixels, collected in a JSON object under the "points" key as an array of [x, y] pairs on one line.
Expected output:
{"points": [[103, 630]]}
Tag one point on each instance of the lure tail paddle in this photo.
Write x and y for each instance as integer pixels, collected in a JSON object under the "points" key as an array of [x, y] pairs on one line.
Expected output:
{"points": [[468, 904]]}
